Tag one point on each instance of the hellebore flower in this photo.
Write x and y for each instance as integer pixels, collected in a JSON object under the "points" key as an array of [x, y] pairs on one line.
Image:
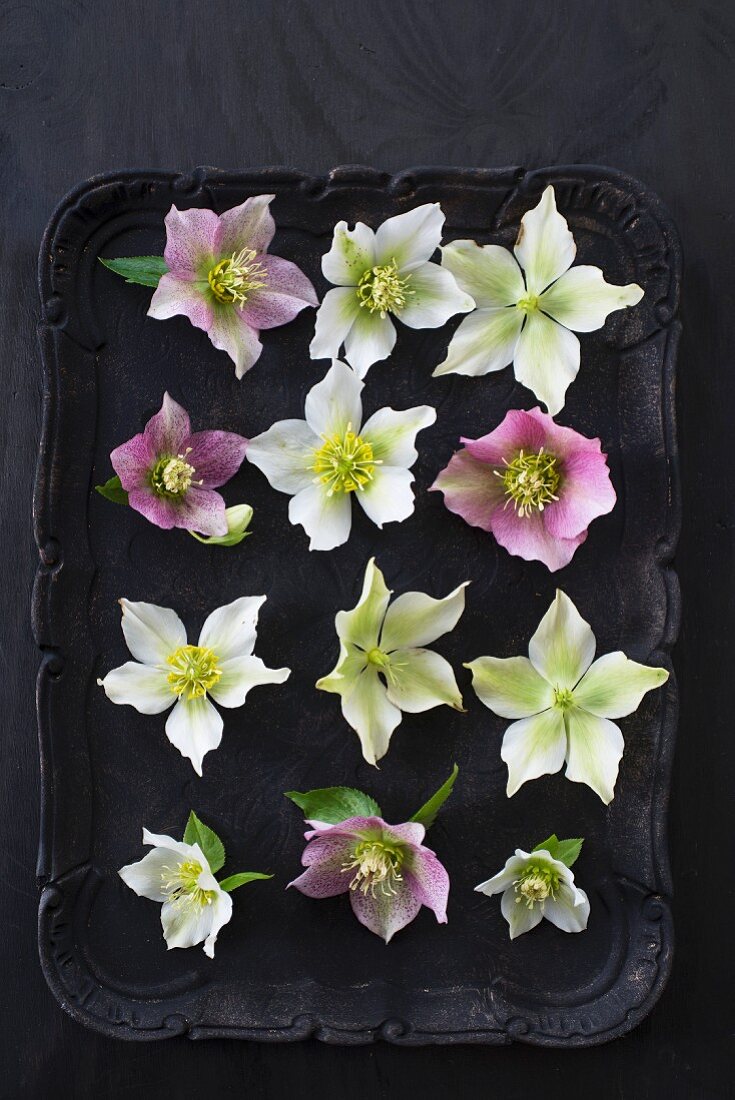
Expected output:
{"points": [[564, 702], [221, 277], [170, 473], [168, 671], [534, 484], [328, 458], [386, 869], [525, 313], [380, 275], [383, 668]]}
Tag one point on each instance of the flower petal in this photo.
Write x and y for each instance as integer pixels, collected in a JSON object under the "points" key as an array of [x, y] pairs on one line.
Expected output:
{"points": [[545, 248], [581, 299], [416, 619], [287, 292], [489, 273], [594, 752], [518, 431], [484, 342], [351, 662], [169, 428], [361, 626], [139, 686], [187, 926], [231, 630], [351, 253], [563, 647], [546, 359], [505, 878], [325, 877], [190, 242], [529, 538], [174, 296], [410, 239], [433, 297], [239, 675], [386, 914], [215, 456], [419, 679], [194, 727], [585, 492], [471, 489], [569, 910], [614, 685], [230, 332], [334, 319], [151, 633], [132, 461], [285, 454], [532, 747], [334, 404], [430, 882], [392, 433], [327, 520], [519, 917], [249, 225], [222, 906], [389, 497], [146, 876], [370, 339], [201, 510], [371, 714], [510, 686]]}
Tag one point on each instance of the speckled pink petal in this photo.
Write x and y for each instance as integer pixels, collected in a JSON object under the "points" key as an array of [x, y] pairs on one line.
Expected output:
{"points": [[325, 876], [162, 511], [230, 332], [431, 881], [249, 225], [175, 296], [518, 431], [471, 489], [203, 511], [527, 537], [169, 428], [288, 292], [215, 456], [386, 914], [410, 832], [351, 826], [133, 460], [190, 238], [586, 492]]}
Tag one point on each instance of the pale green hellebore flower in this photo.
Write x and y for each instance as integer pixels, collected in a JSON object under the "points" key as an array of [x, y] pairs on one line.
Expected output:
{"points": [[383, 668], [563, 702]]}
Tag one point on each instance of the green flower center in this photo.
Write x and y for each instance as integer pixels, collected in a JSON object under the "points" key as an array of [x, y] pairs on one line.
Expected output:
{"points": [[193, 671], [376, 865], [172, 475], [234, 278], [528, 304], [536, 884], [180, 884], [563, 698], [345, 462], [382, 290], [530, 481], [376, 657]]}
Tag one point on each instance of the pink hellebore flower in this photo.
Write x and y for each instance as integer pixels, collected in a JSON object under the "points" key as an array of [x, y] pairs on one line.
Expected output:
{"points": [[221, 277], [386, 869], [536, 485], [170, 473]]}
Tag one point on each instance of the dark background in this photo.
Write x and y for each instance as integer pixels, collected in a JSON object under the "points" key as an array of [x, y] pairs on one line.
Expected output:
{"points": [[88, 86]]}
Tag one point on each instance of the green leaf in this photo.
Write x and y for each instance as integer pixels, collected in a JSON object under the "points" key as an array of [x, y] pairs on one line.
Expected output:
{"points": [[238, 519], [197, 832], [335, 804], [113, 490], [566, 851], [232, 883], [426, 816], [145, 270]]}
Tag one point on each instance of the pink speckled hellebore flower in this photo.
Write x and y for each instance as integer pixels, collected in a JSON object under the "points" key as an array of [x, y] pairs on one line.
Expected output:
{"points": [[386, 869], [221, 277], [170, 473], [533, 483]]}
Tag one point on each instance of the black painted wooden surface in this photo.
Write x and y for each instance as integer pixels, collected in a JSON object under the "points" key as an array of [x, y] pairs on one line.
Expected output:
{"points": [[645, 85]]}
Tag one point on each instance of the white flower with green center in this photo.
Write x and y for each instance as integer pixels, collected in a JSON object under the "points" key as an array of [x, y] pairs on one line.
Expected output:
{"points": [[331, 458], [564, 702], [383, 275], [530, 302], [168, 672], [383, 667]]}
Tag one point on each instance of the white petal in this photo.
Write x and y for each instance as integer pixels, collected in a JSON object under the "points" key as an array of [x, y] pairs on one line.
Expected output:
{"points": [[511, 686], [239, 675], [410, 239], [519, 917], [614, 686], [582, 300], [370, 339], [285, 454], [370, 713], [505, 878], [532, 747], [326, 520], [186, 926], [594, 752], [151, 633], [351, 254], [146, 876], [334, 319], [388, 498], [419, 680], [569, 911], [392, 433], [352, 661], [194, 727], [361, 626], [433, 297], [563, 647], [222, 906], [545, 248], [335, 403], [140, 686], [230, 630], [489, 273], [187, 851], [416, 619], [484, 342], [546, 359]]}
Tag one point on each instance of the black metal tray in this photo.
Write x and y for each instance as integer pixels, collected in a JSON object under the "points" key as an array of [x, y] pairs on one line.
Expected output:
{"points": [[288, 967]]}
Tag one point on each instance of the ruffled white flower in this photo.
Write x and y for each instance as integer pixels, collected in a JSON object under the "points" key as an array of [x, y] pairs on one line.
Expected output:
{"points": [[329, 458], [168, 672], [178, 875], [525, 313], [534, 885], [380, 275], [564, 702], [383, 667]]}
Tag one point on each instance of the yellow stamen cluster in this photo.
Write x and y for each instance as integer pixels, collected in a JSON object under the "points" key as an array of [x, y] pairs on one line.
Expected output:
{"points": [[172, 475], [563, 698], [345, 463], [382, 290], [194, 670], [376, 865], [234, 278], [181, 885], [530, 481], [528, 304], [536, 884]]}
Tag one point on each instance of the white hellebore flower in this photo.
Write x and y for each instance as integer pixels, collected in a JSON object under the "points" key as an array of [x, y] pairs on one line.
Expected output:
{"points": [[195, 906], [383, 668], [534, 885], [330, 457], [564, 702], [168, 671], [525, 313], [380, 275]]}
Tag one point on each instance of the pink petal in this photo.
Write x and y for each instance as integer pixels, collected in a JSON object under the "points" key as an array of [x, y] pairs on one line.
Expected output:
{"points": [[387, 914], [287, 293], [215, 456], [431, 882], [190, 237], [527, 537], [471, 489], [132, 461], [162, 511], [203, 511], [175, 296], [230, 332], [249, 225], [169, 429], [325, 876], [351, 826], [518, 431], [586, 492], [410, 832]]}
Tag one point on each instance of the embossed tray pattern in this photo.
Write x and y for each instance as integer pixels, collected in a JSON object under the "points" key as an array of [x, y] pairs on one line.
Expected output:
{"points": [[288, 967]]}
